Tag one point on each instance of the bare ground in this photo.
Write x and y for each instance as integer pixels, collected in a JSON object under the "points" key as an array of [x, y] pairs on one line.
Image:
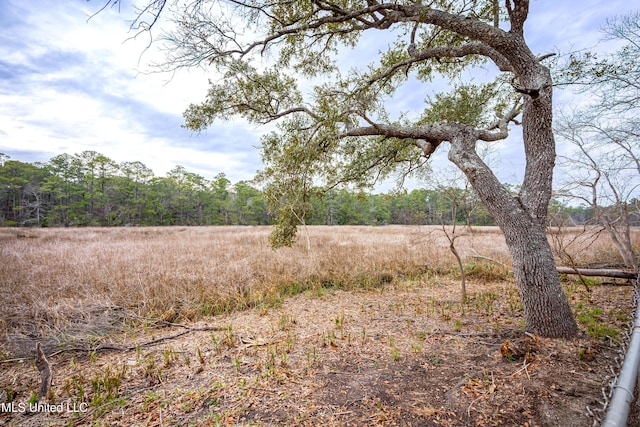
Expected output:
{"points": [[407, 354]]}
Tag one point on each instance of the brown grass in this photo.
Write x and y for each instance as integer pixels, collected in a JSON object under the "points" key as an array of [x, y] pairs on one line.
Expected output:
{"points": [[64, 284]]}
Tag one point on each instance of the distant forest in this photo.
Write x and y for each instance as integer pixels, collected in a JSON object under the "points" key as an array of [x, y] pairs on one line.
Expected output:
{"points": [[89, 189]]}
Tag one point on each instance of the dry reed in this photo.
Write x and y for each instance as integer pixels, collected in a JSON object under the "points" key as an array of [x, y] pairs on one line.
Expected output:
{"points": [[67, 284]]}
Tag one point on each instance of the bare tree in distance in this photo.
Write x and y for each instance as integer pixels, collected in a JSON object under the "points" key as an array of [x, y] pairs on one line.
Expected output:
{"points": [[602, 168], [453, 186], [598, 174], [343, 129], [457, 198]]}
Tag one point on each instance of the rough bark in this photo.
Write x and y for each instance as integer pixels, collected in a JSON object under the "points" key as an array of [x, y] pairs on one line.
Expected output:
{"points": [[546, 309]]}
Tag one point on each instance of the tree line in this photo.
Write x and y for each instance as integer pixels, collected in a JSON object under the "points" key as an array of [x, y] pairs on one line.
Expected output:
{"points": [[90, 189]]}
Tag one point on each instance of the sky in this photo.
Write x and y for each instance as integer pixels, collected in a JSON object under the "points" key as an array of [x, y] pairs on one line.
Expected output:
{"points": [[69, 84]]}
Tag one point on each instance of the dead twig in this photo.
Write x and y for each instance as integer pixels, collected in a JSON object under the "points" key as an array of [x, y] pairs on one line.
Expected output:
{"points": [[45, 374]]}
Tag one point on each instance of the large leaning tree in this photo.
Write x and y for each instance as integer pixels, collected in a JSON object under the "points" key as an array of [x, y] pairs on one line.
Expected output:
{"points": [[291, 64]]}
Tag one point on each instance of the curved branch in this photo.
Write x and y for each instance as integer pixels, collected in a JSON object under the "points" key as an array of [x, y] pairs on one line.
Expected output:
{"points": [[492, 42], [502, 124], [472, 48]]}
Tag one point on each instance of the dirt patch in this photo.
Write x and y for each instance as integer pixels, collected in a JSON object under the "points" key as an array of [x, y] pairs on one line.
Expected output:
{"points": [[406, 354]]}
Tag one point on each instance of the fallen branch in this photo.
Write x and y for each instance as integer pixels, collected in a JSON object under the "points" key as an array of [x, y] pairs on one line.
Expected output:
{"points": [[619, 274], [111, 347]]}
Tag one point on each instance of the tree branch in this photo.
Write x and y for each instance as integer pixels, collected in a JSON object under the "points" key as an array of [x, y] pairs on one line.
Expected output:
{"points": [[518, 11], [438, 132], [472, 48], [502, 124]]}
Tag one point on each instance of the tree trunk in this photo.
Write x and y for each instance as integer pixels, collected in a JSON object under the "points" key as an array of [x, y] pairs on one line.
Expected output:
{"points": [[546, 309]]}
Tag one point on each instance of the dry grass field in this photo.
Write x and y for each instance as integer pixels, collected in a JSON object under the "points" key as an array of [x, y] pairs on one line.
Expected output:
{"points": [[352, 326]]}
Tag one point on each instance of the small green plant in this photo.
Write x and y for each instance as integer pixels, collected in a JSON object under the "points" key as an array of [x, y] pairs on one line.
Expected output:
{"points": [[483, 301], [286, 323], [312, 356], [149, 399], [169, 356], [9, 394], [620, 315], [186, 406], [75, 385], [229, 338], [148, 366], [291, 338], [332, 339], [272, 352], [396, 354], [105, 386], [497, 327], [237, 363], [592, 318], [206, 309], [434, 359], [217, 344], [445, 310], [515, 302], [339, 320], [33, 399]]}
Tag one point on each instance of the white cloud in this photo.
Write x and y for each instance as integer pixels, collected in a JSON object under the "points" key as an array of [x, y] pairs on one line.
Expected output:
{"points": [[69, 84]]}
